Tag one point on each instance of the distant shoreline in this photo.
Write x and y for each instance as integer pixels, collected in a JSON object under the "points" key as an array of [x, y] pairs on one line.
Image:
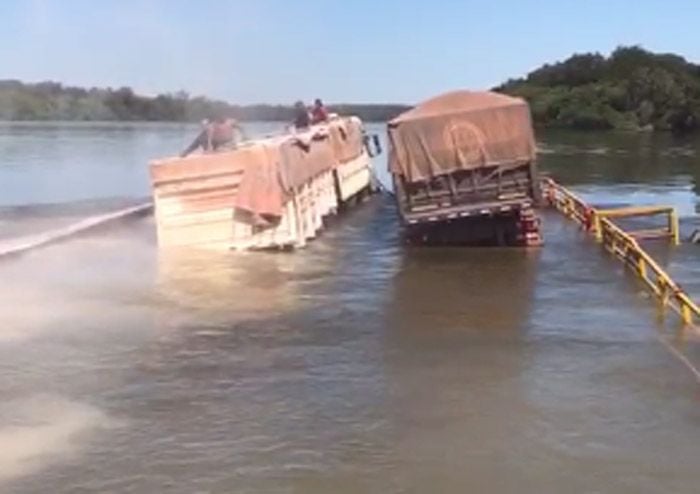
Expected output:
{"points": [[45, 101], [155, 122], [110, 123]]}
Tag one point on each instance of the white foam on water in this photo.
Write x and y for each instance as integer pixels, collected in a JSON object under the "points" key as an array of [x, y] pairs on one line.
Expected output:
{"points": [[42, 430], [23, 320], [88, 282], [29, 242]]}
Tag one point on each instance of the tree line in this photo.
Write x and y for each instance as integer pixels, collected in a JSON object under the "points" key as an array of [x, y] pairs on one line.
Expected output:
{"points": [[54, 101], [632, 88]]}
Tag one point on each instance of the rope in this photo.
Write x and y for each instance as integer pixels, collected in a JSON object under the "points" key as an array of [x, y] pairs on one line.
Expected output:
{"points": [[680, 357]]}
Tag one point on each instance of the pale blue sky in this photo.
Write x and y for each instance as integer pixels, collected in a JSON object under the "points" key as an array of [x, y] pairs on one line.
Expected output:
{"points": [[342, 50]]}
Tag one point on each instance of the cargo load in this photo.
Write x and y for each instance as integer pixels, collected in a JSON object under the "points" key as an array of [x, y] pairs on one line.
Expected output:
{"points": [[464, 170], [267, 193]]}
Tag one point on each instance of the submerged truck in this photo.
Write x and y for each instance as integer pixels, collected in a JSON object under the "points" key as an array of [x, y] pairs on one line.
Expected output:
{"points": [[271, 193], [464, 170]]}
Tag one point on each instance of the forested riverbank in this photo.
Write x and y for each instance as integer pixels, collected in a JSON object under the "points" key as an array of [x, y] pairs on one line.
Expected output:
{"points": [[631, 89], [54, 101]]}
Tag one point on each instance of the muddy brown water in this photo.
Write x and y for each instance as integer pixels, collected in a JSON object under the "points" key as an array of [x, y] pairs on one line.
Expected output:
{"points": [[355, 365]]}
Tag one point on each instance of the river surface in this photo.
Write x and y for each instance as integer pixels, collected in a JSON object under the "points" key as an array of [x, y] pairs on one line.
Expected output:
{"points": [[354, 365]]}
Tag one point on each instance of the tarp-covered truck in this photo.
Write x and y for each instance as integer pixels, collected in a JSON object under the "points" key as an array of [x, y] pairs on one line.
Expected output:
{"points": [[464, 170], [268, 193]]}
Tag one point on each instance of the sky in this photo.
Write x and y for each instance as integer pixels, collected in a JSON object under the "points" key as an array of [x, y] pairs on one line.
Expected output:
{"points": [[353, 51]]}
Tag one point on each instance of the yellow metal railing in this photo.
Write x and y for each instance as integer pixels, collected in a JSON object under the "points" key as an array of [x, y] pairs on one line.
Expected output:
{"points": [[567, 202], [624, 245], [671, 230]]}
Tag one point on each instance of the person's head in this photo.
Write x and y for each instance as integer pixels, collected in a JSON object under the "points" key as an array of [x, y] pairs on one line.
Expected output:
{"points": [[299, 105], [318, 103]]}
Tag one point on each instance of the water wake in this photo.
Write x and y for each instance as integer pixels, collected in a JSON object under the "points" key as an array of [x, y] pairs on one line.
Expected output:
{"points": [[26, 243]]}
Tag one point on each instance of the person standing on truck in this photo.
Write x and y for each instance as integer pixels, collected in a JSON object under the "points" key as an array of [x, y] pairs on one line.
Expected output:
{"points": [[218, 132], [319, 113]]}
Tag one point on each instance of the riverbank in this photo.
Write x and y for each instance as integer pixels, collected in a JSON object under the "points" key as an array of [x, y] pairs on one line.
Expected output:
{"points": [[54, 101], [631, 89]]}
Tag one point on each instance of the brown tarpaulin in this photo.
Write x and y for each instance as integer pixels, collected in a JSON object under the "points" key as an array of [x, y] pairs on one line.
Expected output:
{"points": [[293, 161], [270, 169], [260, 191], [346, 138], [305, 157], [461, 130]]}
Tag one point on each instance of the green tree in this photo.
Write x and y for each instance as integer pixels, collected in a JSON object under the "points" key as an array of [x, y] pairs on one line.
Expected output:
{"points": [[631, 88]]}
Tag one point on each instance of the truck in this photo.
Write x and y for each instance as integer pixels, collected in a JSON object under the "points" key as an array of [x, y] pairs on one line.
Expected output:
{"points": [[463, 166], [271, 193]]}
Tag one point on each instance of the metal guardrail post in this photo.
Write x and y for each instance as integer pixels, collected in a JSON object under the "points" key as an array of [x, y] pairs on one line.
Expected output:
{"points": [[595, 226], [642, 268], [686, 315], [673, 227], [662, 287]]}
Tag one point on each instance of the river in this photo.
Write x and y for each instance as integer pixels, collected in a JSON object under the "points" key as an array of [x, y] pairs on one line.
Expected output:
{"points": [[354, 365]]}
